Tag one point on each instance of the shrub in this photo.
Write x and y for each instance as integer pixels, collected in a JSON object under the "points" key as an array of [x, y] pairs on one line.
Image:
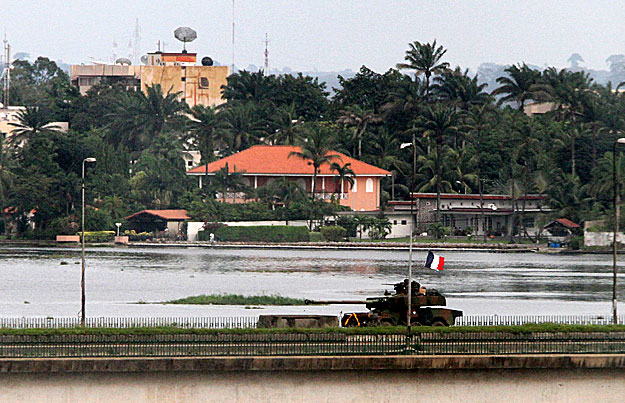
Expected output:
{"points": [[98, 236], [576, 242], [263, 233], [315, 237], [334, 233]]}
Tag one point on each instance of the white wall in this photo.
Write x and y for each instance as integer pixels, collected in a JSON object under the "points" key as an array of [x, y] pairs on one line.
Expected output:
{"points": [[602, 238], [194, 226]]}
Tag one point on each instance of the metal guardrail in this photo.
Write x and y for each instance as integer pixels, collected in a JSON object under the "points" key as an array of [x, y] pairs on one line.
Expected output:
{"points": [[289, 344]]}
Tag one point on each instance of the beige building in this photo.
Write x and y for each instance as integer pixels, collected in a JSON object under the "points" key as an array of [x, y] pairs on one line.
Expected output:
{"points": [[178, 72]]}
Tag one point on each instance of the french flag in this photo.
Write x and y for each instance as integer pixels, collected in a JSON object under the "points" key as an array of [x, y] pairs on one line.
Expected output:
{"points": [[434, 261]]}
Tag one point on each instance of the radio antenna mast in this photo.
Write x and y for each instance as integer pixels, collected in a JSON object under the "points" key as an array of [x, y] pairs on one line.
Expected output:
{"points": [[232, 72], [266, 41], [6, 73]]}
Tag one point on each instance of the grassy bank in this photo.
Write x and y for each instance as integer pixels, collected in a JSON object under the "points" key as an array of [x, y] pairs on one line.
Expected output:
{"points": [[529, 328], [235, 299]]}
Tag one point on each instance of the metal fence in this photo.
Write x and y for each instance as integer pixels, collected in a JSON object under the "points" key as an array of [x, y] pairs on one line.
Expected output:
{"points": [[248, 322], [288, 344], [511, 320], [206, 322]]}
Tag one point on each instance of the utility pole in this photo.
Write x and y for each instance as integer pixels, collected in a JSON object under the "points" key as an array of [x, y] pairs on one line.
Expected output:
{"points": [[266, 42]]}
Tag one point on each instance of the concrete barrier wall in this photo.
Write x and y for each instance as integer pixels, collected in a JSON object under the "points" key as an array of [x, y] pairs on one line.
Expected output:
{"points": [[440, 386], [511, 378]]}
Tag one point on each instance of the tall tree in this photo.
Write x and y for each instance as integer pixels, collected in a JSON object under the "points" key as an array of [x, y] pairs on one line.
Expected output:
{"points": [[31, 122], [206, 129], [425, 58], [518, 86], [317, 149], [345, 174], [359, 119], [439, 123]]}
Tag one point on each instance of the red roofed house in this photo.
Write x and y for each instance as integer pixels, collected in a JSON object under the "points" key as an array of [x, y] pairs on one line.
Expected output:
{"points": [[262, 164], [158, 220], [561, 230]]}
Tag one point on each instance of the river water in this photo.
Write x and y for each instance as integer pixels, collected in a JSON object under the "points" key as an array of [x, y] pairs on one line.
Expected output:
{"points": [[45, 282]]}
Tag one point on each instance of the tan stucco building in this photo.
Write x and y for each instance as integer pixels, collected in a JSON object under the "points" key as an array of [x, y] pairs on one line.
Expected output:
{"points": [[178, 72]]}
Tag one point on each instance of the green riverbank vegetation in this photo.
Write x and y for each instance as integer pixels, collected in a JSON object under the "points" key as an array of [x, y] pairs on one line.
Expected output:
{"points": [[236, 299]]}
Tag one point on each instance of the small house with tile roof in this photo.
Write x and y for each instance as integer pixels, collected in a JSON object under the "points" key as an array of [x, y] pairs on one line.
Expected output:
{"points": [[262, 164], [158, 220]]}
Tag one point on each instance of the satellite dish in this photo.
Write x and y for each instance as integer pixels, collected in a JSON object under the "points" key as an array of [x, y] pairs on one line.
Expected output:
{"points": [[184, 35], [123, 60], [144, 59], [207, 61]]}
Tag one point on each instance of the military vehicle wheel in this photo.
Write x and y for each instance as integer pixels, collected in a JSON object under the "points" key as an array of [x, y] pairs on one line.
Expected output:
{"points": [[387, 322], [439, 322], [416, 324]]}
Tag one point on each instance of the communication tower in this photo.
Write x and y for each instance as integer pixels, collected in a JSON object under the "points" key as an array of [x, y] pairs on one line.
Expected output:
{"points": [[266, 42]]}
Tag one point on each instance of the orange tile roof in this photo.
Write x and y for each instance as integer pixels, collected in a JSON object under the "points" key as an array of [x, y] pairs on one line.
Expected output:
{"points": [[567, 223], [274, 160], [170, 215]]}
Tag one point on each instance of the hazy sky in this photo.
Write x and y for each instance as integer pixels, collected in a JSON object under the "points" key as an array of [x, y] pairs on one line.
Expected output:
{"points": [[324, 35]]}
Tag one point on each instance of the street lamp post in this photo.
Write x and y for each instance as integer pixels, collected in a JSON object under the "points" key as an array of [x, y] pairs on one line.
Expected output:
{"points": [[412, 180], [82, 280], [616, 219]]}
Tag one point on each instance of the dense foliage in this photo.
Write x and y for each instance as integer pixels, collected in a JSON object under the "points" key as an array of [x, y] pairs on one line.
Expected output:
{"points": [[467, 136]]}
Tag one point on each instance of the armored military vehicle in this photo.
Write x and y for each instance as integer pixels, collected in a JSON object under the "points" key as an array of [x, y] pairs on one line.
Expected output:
{"points": [[392, 309]]}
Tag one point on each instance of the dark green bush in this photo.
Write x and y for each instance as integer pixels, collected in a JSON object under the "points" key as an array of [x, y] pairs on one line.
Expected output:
{"points": [[576, 242], [263, 233], [315, 237], [334, 233]]}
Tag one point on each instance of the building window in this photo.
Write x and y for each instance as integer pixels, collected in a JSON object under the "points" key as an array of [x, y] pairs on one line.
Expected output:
{"points": [[528, 222], [404, 222], [190, 163], [395, 223], [369, 185], [204, 82], [355, 186]]}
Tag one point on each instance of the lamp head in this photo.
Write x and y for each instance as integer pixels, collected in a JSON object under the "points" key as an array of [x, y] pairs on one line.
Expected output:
{"points": [[90, 159], [621, 140]]}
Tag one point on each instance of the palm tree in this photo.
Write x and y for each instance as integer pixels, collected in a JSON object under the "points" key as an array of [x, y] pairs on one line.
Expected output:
{"points": [[478, 125], [205, 127], [286, 126], [249, 86], [345, 174], [31, 121], [425, 59], [462, 91], [406, 97], [317, 149], [439, 123], [228, 180], [242, 127], [358, 119], [142, 116], [519, 86]]}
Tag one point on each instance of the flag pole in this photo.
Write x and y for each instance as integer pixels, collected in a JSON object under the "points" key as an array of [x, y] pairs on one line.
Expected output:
{"points": [[414, 164]]}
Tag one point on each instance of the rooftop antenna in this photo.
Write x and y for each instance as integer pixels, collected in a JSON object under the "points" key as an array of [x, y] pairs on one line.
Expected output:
{"points": [[136, 43], [232, 72], [6, 74], [184, 35], [266, 41]]}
